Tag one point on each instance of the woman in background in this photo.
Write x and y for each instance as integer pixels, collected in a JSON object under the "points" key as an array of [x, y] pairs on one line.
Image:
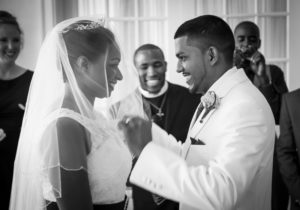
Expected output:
{"points": [[14, 85]]}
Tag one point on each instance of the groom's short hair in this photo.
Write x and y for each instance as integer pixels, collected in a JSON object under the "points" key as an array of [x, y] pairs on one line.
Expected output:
{"points": [[208, 30]]}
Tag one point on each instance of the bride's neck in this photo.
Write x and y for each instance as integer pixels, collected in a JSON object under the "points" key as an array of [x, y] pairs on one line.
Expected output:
{"points": [[69, 101]]}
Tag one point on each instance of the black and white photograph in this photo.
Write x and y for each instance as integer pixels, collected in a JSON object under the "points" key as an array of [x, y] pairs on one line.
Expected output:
{"points": [[149, 105]]}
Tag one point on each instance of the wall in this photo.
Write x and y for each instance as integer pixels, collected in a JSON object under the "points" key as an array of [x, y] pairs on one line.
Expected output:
{"points": [[179, 11], [293, 76], [35, 25], [29, 16]]}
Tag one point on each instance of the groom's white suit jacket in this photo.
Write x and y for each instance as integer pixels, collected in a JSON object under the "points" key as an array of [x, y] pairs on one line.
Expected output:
{"points": [[232, 169]]}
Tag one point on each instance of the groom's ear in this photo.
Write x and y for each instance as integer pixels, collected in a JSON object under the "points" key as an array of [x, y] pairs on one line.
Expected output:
{"points": [[213, 55]]}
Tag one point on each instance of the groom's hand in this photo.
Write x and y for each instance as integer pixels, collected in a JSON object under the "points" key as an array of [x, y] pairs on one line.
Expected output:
{"points": [[137, 132]]}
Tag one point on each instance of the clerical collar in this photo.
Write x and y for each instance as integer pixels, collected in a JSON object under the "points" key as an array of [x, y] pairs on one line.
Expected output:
{"points": [[146, 94]]}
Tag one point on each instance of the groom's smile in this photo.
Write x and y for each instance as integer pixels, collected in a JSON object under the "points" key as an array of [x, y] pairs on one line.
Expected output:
{"points": [[191, 63]]}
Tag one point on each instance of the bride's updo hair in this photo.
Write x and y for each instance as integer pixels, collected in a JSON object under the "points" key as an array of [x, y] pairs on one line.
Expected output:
{"points": [[87, 38]]}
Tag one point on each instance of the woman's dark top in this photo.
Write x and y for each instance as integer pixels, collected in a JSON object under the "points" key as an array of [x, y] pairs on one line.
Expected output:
{"points": [[13, 95]]}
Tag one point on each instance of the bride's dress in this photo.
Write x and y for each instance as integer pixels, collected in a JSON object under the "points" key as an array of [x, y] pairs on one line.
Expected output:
{"points": [[108, 162]]}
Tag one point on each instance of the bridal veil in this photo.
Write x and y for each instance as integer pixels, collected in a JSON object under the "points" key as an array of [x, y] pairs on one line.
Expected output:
{"points": [[38, 148]]}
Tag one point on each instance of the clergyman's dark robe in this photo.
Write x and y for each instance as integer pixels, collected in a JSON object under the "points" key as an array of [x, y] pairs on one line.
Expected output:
{"points": [[178, 110]]}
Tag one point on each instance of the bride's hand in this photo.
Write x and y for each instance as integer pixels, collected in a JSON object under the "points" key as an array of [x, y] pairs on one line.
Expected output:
{"points": [[137, 132]]}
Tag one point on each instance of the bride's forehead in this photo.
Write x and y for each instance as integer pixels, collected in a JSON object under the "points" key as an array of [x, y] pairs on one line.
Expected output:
{"points": [[114, 49]]}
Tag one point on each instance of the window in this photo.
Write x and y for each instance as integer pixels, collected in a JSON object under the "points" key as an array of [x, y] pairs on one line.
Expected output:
{"points": [[272, 17], [135, 22]]}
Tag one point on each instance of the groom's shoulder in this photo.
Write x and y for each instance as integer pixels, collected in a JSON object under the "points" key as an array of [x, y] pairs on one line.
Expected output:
{"points": [[236, 88], [248, 95]]}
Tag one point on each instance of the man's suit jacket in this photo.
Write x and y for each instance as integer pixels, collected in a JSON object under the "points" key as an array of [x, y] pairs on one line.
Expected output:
{"points": [[232, 165], [274, 90], [288, 145]]}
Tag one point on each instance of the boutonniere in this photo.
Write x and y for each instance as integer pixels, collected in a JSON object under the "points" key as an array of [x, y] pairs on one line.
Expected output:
{"points": [[209, 101]]}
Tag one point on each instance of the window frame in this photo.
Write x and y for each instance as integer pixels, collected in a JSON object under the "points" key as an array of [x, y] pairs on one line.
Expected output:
{"points": [[256, 15], [137, 20]]}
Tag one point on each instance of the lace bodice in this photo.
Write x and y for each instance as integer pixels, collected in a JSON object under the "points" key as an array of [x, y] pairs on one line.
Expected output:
{"points": [[108, 163]]}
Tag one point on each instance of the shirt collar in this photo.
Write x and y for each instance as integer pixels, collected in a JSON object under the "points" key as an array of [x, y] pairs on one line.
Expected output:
{"points": [[146, 94]]}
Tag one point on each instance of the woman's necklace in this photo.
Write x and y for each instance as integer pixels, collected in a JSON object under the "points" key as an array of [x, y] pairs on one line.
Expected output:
{"points": [[159, 109]]}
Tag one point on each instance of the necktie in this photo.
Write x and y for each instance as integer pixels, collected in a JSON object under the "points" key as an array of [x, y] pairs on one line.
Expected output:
{"points": [[198, 112]]}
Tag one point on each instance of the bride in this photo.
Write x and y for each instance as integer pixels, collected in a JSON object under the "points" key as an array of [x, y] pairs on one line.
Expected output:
{"points": [[70, 155]]}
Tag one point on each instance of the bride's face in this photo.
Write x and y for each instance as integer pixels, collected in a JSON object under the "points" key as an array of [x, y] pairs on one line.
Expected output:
{"points": [[105, 72], [113, 73]]}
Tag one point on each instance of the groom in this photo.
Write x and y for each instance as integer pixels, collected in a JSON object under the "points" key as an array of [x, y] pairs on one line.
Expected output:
{"points": [[226, 161]]}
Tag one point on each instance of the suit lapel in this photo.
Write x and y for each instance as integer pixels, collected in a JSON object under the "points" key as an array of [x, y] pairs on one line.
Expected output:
{"points": [[194, 118], [197, 126], [221, 87]]}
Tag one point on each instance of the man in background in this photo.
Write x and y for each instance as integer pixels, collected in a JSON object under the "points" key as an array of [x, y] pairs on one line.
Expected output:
{"points": [[170, 106], [288, 145], [269, 80]]}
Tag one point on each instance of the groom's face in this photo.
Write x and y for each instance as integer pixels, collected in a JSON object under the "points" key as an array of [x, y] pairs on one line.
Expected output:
{"points": [[191, 63]]}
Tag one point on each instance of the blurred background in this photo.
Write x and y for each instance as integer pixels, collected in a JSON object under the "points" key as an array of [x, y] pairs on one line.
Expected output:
{"points": [[138, 22]]}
